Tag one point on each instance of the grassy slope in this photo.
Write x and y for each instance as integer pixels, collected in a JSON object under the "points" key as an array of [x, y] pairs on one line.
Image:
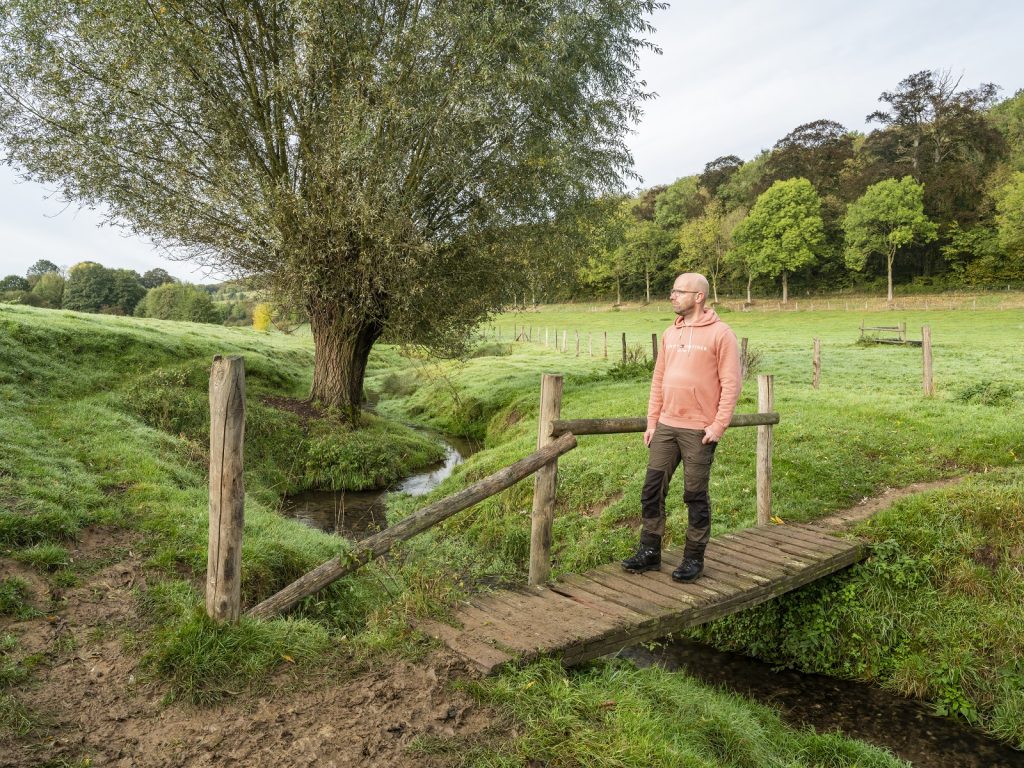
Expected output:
{"points": [[953, 613], [103, 423]]}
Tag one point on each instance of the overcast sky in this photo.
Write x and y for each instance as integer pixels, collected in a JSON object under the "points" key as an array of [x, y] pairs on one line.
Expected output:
{"points": [[733, 78]]}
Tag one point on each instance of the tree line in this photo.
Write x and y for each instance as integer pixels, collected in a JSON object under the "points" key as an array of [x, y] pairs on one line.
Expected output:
{"points": [[91, 287], [933, 197]]}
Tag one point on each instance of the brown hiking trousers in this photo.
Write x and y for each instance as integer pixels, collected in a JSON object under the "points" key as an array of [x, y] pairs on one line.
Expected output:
{"points": [[669, 446]]}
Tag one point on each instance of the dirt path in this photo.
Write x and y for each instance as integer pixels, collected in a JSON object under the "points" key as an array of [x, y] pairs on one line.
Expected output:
{"points": [[869, 506], [88, 697]]}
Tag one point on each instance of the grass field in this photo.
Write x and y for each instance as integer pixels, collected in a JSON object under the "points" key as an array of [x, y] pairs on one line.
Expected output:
{"points": [[104, 421]]}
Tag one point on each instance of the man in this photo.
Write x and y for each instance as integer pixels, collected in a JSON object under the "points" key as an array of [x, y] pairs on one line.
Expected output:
{"points": [[694, 390]]}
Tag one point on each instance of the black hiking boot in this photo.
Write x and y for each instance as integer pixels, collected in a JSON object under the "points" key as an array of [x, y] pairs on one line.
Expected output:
{"points": [[645, 559], [689, 570]]}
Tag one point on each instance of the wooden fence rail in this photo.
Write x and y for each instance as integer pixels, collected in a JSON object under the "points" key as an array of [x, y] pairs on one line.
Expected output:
{"points": [[616, 426]]}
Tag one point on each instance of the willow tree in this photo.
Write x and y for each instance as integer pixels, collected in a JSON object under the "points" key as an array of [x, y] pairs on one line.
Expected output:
{"points": [[369, 160]]}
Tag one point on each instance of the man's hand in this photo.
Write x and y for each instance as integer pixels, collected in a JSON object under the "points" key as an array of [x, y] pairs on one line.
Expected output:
{"points": [[710, 436], [648, 435]]}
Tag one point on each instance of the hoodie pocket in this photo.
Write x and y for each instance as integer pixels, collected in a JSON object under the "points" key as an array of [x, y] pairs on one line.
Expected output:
{"points": [[683, 403]]}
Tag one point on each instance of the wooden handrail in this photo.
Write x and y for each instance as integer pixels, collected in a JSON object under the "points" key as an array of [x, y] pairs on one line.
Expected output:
{"points": [[623, 425]]}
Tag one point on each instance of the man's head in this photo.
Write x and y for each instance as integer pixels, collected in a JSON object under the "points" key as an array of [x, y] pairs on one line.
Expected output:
{"points": [[689, 292]]}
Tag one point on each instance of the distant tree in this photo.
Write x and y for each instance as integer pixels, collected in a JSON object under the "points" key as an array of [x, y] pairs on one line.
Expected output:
{"points": [[704, 243], [1010, 217], [816, 151], [178, 301], [14, 283], [718, 172], [647, 247], [681, 201], [1008, 117], [154, 277], [743, 187], [41, 267], [49, 290], [127, 291], [89, 287], [784, 231], [943, 137], [367, 160], [888, 216]]}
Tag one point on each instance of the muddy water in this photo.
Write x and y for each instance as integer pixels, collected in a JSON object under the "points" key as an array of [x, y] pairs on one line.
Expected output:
{"points": [[861, 711], [358, 514]]}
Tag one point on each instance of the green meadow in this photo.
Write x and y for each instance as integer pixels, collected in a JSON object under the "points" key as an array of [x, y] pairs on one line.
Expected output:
{"points": [[104, 422]]}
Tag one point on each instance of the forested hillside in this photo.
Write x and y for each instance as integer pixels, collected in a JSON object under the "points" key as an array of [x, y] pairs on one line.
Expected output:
{"points": [[936, 190]]}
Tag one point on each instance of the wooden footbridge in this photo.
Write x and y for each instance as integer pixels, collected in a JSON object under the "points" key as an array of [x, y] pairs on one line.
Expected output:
{"points": [[582, 617], [574, 618]]}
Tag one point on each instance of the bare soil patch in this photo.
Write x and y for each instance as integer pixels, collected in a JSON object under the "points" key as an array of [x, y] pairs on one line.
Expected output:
{"points": [[91, 701], [869, 506]]}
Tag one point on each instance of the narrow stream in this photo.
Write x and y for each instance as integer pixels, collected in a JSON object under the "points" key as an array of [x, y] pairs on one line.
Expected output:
{"points": [[859, 710], [357, 514]]}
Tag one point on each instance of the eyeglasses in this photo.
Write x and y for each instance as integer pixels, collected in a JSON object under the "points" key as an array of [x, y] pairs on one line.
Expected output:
{"points": [[675, 292]]}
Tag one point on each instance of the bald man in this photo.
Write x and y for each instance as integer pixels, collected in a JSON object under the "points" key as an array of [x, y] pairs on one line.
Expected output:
{"points": [[694, 390]]}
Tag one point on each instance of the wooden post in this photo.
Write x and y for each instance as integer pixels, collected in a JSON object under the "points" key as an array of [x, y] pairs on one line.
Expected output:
{"points": [[623, 349], [606, 345], [545, 482], [654, 347], [590, 344], [577, 343], [565, 341], [227, 491], [545, 337], [765, 403], [817, 364], [743, 358], [903, 331], [926, 350]]}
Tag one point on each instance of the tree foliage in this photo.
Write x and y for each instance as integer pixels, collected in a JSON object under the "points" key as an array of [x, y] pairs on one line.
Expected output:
{"points": [[888, 216], [178, 301], [783, 232], [367, 160], [154, 277]]}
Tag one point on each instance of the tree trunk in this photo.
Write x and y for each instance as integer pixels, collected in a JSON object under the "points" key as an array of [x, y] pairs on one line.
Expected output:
{"points": [[618, 292], [341, 347], [750, 280], [647, 281], [888, 263], [714, 287], [785, 287]]}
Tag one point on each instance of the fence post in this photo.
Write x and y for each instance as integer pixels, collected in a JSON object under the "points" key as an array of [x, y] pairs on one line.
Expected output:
{"points": [[926, 350], [227, 491], [590, 344], [817, 363], [577, 343], [765, 404], [565, 341], [545, 482], [623, 348], [743, 358], [606, 345], [654, 347]]}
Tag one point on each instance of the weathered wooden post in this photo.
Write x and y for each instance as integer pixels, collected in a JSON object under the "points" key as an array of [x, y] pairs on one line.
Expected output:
{"points": [[590, 344], [565, 341], [545, 337], [743, 358], [816, 382], [606, 345], [926, 350], [227, 491], [577, 343], [623, 348], [544, 482], [765, 404], [654, 347]]}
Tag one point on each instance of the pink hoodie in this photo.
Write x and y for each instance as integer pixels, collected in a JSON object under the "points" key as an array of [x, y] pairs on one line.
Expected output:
{"points": [[696, 380]]}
